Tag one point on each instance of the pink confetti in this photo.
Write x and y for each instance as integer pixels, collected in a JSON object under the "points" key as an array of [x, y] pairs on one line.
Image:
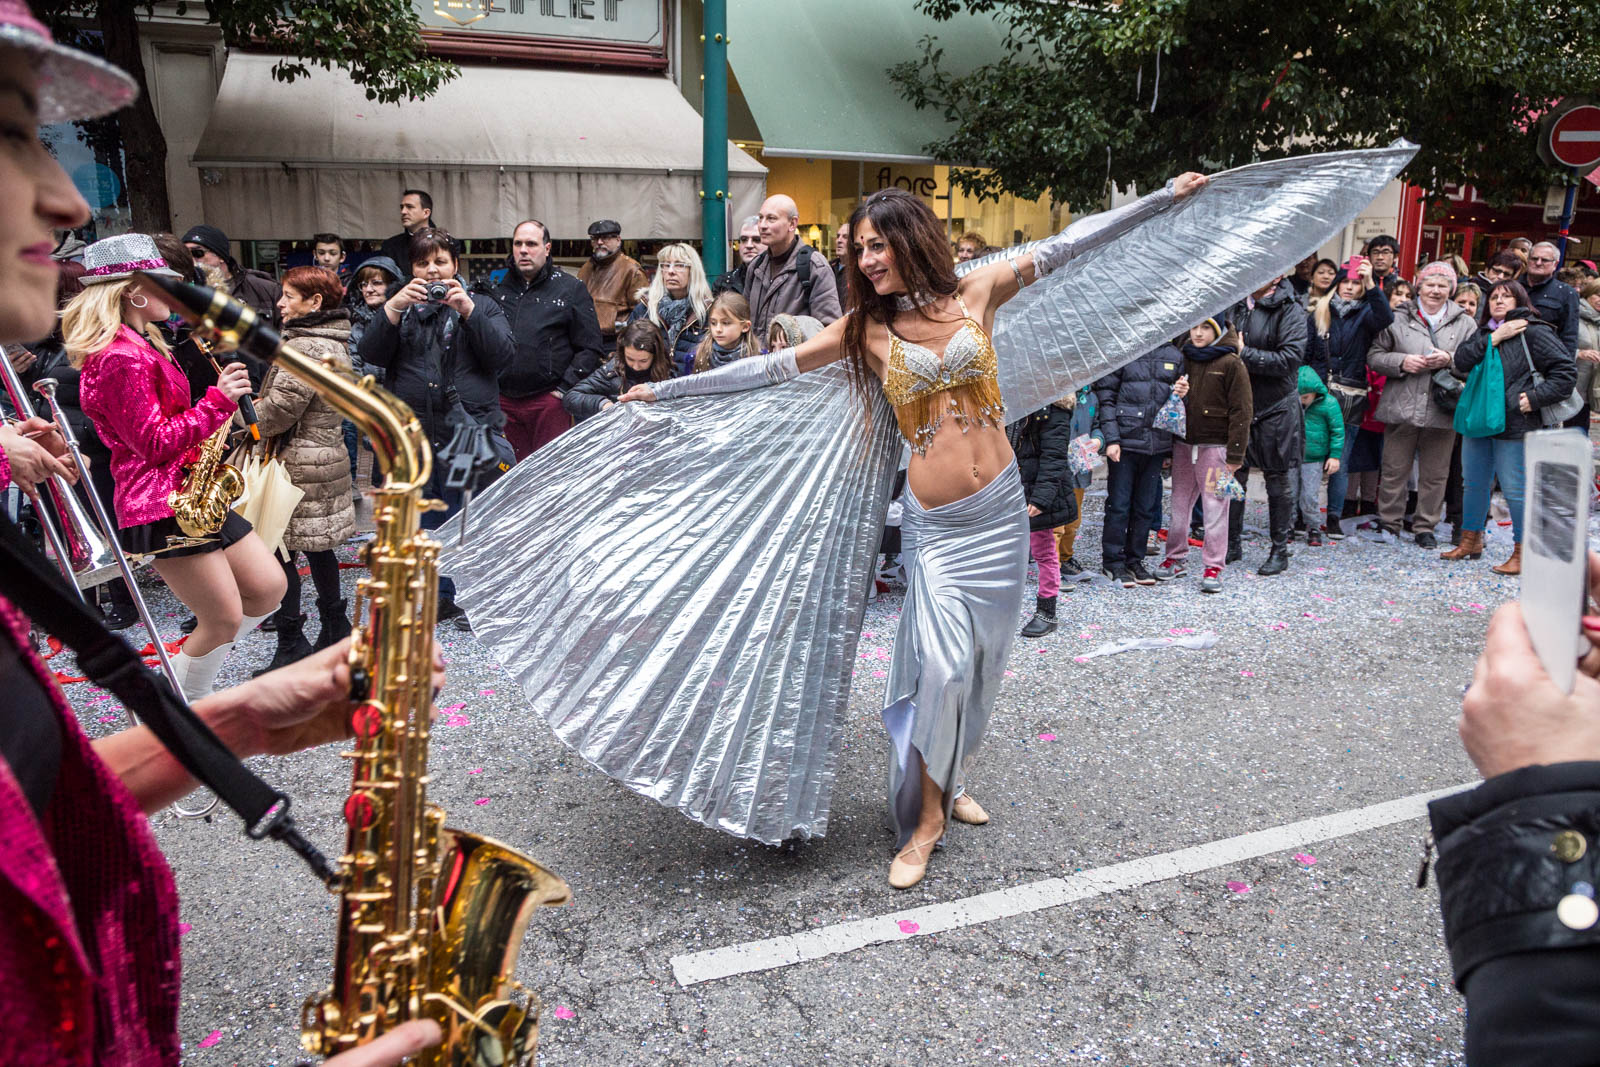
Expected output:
{"points": [[1047, 737], [447, 709], [908, 927], [481, 801], [1388, 603], [1239, 887], [1085, 635], [1178, 630], [1280, 626], [1096, 626], [184, 928], [1305, 858], [869, 636], [476, 770], [97, 700], [486, 692], [880, 674], [1247, 674], [1322, 570], [1394, 618], [1474, 607], [1320, 596], [1011, 674], [1313, 618], [1080, 659], [564, 1012], [457, 720], [107, 718], [211, 1039]]}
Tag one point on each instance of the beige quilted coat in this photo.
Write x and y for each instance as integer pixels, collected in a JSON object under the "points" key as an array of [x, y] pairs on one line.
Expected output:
{"points": [[310, 442]]}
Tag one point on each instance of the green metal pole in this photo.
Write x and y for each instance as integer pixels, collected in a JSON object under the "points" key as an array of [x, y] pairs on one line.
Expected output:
{"points": [[714, 160]]}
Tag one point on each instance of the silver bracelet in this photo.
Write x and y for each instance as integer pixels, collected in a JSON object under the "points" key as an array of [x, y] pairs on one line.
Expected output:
{"points": [[1018, 272]]}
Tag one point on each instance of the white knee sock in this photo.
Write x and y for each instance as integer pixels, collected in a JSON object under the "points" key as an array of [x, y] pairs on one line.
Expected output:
{"points": [[250, 623], [197, 674]]}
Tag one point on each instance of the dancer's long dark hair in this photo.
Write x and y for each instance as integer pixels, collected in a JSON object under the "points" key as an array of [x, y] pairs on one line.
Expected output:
{"points": [[916, 238]]}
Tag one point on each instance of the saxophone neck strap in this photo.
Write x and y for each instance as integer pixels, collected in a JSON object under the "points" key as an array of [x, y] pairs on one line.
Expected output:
{"points": [[30, 582]]}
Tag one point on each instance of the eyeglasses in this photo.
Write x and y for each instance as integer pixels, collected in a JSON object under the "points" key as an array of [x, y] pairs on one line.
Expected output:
{"points": [[197, 251]]}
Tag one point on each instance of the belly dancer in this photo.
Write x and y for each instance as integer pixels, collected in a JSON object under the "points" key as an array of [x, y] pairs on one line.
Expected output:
{"points": [[925, 334]]}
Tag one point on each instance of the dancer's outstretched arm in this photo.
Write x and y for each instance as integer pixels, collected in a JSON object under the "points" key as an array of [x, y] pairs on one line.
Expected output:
{"points": [[752, 372], [994, 283]]}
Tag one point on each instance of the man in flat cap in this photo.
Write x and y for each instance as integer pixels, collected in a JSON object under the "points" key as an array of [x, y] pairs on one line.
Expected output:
{"points": [[612, 278]]}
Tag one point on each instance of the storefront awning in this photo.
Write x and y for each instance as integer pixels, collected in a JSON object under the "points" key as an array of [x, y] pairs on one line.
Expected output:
{"points": [[827, 94], [493, 147]]}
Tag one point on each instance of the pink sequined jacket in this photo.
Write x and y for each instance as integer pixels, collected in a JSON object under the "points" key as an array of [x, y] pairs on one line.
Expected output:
{"points": [[89, 939], [138, 400]]}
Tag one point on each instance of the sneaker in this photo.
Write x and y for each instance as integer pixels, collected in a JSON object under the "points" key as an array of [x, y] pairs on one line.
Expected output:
{"points": [[1119, 576], [1211, 581], [1170, 569], [1152, 547], [1334, 530], [1140, 576], [1314, 539], [1071, 568], [463, 624]]}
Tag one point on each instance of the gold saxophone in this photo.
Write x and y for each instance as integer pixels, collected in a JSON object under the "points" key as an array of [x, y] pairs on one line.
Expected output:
{"points": [[210, 487], [430, 919]]}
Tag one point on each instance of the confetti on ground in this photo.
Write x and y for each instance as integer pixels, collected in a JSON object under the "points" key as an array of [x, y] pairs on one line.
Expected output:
{"points": [[1047, 737], [476, 770], [211, 1039], [184, 928], [564, 1012], [908, 927], [486, 692], [1247, 674], [880, 674], [448, 708], [457, 720], [481, 800], [1305, 858], [1240, 888], [107, 718]]}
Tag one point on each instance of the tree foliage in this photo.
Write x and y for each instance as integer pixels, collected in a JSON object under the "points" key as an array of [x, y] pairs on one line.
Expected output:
{"points": [[1133, 91]]}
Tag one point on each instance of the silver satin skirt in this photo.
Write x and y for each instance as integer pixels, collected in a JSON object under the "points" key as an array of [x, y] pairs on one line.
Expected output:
{"points": [[966, 568]]}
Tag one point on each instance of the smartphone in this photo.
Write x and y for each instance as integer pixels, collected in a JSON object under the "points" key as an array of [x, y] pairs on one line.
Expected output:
{"points": [[1355, 266], [1559, 466]]}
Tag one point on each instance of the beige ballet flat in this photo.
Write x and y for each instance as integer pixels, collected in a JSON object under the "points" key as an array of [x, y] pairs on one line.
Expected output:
{"points": [[969, 811], [905, 873]]}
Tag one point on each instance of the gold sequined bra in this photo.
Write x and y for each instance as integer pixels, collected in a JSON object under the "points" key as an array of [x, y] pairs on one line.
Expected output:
{"points": [[964, 384]]}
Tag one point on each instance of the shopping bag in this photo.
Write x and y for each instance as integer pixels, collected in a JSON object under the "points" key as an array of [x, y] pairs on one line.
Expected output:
{"points": [[1172, 417], [1481, 411]]}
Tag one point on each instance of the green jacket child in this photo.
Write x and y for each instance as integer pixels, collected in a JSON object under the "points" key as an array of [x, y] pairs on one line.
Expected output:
{"points": [[1324, 424]]}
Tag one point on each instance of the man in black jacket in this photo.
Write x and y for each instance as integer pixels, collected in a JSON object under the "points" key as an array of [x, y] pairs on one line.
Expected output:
{"points": [[557, 340], [1273, 327], [1382, 252], [1519, 857], [1554, 300], [213, 254], [442, 357], [749, 247], [416, 215]]}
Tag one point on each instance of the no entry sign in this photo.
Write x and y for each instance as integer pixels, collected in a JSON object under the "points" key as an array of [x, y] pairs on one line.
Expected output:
{"points": [[1575, 137]]}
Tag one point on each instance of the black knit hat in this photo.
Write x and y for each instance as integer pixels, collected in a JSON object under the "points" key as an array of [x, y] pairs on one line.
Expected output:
{"points": [[211, 238]]}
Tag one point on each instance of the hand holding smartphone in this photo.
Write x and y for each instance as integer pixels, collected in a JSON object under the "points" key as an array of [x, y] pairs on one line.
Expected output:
{"points": [[1555, 558]]}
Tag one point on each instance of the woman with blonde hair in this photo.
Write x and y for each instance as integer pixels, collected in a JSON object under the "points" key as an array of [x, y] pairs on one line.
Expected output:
{"points": [[138, 399], [678, 302]]}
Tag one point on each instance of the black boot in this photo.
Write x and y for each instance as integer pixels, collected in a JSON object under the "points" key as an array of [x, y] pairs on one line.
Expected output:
{"points": [[1044, 618], [117, 610], [1235, 531], [292, 644], [335, 623], [1277, 560]]}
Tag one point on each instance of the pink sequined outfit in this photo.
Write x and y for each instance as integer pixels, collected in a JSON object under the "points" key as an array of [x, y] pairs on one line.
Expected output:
{"points": [[138, 400], [89, 943]]}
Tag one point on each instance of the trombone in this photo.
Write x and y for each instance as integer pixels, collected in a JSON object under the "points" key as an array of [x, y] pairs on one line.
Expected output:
{"points": [[46, 387]]}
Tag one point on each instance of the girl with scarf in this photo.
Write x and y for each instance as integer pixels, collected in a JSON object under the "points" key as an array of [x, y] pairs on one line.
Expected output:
{"points": [[731, 335], [641, 357], [1346, 321], [677, 302]]}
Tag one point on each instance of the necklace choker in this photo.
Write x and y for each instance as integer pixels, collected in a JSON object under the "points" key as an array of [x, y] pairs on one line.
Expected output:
{"points": [[902, 302]]}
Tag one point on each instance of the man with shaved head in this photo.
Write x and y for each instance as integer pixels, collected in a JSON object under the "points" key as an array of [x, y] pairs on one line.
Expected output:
{"points": [[1554, 300], [789, 277]]}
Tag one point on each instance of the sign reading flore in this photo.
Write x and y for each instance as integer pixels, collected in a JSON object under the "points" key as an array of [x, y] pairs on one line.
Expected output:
{"points": [[628, 23]]}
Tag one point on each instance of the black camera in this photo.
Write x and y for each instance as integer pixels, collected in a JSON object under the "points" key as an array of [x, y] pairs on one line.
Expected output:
{"points": [[437, 291]]}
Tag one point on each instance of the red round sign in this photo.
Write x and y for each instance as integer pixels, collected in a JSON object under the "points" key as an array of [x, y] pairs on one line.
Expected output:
{"points": [[1575, 137]]}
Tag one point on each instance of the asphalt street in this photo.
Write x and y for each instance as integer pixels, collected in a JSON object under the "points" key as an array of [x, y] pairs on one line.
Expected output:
{"points": [[1330, 689]]}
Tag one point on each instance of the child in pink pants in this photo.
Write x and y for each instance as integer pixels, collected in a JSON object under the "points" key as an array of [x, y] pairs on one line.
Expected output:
{"points": [[1217, 412]]}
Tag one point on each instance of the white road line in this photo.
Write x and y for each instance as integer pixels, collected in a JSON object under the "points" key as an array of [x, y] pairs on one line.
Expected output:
{"points": [[712, 964]]}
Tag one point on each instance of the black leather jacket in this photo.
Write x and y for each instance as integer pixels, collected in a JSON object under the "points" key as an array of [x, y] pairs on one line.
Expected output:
{"points": [[1509, 851]]}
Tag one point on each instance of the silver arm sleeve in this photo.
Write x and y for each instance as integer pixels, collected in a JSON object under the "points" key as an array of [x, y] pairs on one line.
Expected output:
{"points": [[1092, 231], [752, 372]]}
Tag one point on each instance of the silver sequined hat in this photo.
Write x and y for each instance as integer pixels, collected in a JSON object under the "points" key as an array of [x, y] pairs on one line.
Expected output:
{"points": [[118, 257], [72, 84]]}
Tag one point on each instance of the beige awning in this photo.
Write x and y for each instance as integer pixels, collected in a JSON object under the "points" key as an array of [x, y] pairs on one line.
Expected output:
{"points": [[493, 147]]}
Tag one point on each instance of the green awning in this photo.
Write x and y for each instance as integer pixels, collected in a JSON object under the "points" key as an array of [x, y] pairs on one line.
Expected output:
{"points": [[815, 73]]}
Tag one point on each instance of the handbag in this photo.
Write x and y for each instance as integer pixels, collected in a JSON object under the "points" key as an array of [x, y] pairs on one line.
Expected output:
{"points": [[1351, 398], [1552, 415], [270, 496], [1481, 410], [1444, 389]]}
